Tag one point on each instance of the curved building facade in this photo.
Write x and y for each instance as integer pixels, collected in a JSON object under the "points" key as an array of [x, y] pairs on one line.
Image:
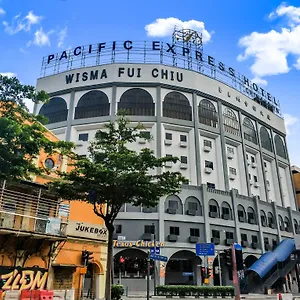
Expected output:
{"points": [[231, 148]]}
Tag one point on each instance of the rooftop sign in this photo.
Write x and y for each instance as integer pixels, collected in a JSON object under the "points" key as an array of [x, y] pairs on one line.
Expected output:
{"points": [[181, 55]]}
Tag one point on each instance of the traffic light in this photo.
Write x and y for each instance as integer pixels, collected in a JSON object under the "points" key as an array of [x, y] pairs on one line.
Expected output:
{"points": [[86, 257], [122, 260], [228, 257], [239, 259], [210, 273]]}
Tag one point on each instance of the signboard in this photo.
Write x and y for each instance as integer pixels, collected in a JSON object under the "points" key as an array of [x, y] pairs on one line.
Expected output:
{"points": [[155, 250], [138, 244], [158, 257], [87, 230], [237, 246], [188, 274], [205, 249]]}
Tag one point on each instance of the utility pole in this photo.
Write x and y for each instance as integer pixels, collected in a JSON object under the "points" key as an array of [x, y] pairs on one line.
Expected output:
{"points": [[219, 266], [235, 275], [154, 263], [148, 275]]}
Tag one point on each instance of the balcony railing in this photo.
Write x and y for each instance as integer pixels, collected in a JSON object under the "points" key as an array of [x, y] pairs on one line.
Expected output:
{"points": [[27, 210]]}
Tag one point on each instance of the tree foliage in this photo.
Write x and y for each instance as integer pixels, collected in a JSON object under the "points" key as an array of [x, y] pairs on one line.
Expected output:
{"points": [[22, 135], [113, 175]]}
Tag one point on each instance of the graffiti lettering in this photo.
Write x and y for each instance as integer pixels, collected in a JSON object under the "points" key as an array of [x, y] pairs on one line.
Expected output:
{"points": [[23, 279]]}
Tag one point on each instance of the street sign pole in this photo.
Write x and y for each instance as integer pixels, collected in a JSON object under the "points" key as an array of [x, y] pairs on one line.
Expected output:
{"points": [[235, 275], [219, 266], [148, 276]]}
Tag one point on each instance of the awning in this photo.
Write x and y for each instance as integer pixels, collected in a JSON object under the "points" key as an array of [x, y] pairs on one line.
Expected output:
{"points": [[267, 261]]}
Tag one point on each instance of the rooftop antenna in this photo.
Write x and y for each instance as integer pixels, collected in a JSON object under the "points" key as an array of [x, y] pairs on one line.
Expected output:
{"points": [[190, 39]]}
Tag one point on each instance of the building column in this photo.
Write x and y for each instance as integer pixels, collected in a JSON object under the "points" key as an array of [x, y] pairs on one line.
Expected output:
{"points": [[113, 104], [261, 235], [197, 140], [223, 147], [70, 117], [276, 220], [292, 220], [205, 199]]}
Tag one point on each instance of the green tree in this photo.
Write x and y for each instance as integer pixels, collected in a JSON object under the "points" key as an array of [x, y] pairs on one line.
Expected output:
{"points": [[113, 175], [22, 135]]}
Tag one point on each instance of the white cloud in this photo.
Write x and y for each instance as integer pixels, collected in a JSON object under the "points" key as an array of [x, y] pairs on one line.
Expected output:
{"points": [[62, 34], [271, 49], [9, 74], [2, 11], [165, 27], [41, 38], [291, 123], [260, 81], [18, 24]]}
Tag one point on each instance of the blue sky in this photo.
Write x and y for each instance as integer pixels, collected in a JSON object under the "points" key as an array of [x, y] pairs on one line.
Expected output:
{"points": [[261, 39]]}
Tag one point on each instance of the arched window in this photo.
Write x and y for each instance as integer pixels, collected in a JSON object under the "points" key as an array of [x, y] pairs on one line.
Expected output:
{"points": [[263, 219], [207, 113], [249, 131], [137, 102], [55, 110], [281, 223], [92, 104], [265, 139], [279, 145], [193, 207], [173, 205], [296, 226], [271, 220], [287, 224], [214, 211], [251, 216], [230, 121], [226, 211], [177, 106], [241, 213]]}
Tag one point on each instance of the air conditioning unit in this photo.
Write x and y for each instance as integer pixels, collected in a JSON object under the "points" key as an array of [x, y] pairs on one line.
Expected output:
{"points": [[183, 144], [228, 242], [268, 188], [208, 170], [168, 142], [171, 211], [191, 212], [251, 182], [147, 210], [251, 221], [256, 184], [213, 214], [193, 239], [242, 219], [78, 144], [254, 165], [146, 236], [169, 164], [232, 177], [141, 140], [225, 216], [215, 240], [183, 166], [244, 244], [172, 238], [206, 148], [230, 155], [254, 245], [268, 247]]}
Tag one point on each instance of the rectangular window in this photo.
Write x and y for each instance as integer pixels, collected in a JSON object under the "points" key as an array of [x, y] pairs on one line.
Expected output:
{"points": [[252, 159], [194, 232], [255, 178], [241, 214], [183, 159], [207, 143], [254, 239], [266, 240], [229, 235], [265, 164], [209, 164], [174, 230], [149, 229], [250, 215], [244, 237], [232, 171], [230, 150], [215, 233], [247, 156], [118, 228], [249, 176], [183, 138], [211, 185], [225, 211], [83, 137], [168, 136], [173, 204], [213, 208], [192, 206], [146, 135]]}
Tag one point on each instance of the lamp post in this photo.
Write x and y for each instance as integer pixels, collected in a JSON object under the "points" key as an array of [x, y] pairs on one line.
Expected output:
{"points": [[154, 263]]}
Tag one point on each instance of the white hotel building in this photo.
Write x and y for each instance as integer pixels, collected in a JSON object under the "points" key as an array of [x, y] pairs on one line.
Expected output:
{"points": [[231, 148]]}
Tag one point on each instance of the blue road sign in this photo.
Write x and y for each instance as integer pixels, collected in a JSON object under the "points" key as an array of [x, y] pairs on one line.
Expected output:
{"points": [[205, 249], [158, 257], [188, 273], [155, 250], [237, 246]]}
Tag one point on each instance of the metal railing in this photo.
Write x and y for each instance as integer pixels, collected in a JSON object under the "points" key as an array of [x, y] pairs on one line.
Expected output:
{"points": [[27, 210]]}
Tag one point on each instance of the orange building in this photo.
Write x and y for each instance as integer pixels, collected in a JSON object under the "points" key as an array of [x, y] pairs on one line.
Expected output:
{"points": [[296, 181], [42, 238]]}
